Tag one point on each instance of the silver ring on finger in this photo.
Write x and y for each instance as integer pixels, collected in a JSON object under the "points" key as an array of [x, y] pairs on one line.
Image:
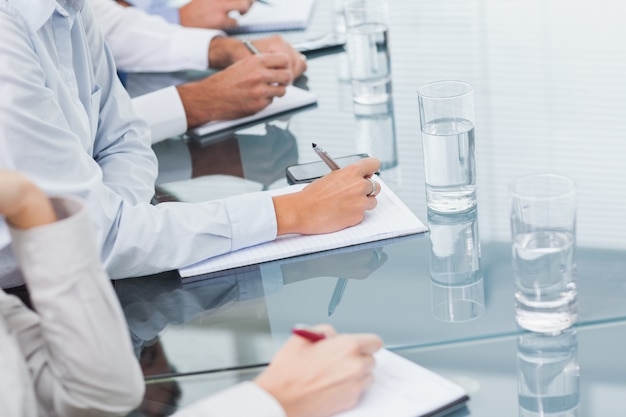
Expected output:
{"points": [[373, 192]]}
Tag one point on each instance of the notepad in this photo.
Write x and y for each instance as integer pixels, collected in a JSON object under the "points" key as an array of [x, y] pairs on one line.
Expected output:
{"points": [[403, 388], [293, 99], [275, 16], [390, 218]]}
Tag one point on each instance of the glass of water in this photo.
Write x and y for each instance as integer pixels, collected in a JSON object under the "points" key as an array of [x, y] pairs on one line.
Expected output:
{"points": [[447, 123], [543, 227], [367, 45]]}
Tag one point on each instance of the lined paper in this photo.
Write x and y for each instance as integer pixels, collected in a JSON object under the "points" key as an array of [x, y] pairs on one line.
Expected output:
{"points": [[390, 218], [403, 388]]}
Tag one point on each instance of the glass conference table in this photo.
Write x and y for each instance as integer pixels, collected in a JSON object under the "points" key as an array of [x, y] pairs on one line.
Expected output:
{"points": [[550, 96]]}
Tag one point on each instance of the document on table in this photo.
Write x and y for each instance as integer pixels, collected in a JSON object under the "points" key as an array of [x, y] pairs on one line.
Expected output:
{"points": [[294, 98], [403, 388], [274, 16], [390, 218]]}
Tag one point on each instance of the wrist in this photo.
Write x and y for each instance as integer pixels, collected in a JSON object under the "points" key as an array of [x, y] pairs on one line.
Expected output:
{"points": [[197, 110], [288, 218], [33, 209]]}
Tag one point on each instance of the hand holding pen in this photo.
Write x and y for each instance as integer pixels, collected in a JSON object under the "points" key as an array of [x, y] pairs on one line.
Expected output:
{"points": [[321, 376], [333, 202]]}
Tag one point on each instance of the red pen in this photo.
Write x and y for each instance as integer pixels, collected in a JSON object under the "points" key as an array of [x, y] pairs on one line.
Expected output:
{"points": [[309, 335]]}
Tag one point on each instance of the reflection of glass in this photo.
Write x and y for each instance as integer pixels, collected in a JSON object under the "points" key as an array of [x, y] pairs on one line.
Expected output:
{"points": [[548, 374], [376, 136], [456, 278]]}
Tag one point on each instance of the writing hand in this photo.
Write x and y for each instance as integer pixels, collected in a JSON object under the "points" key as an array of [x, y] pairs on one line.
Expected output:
{"points": [[323, 378], [333, 202], [242, 89]]}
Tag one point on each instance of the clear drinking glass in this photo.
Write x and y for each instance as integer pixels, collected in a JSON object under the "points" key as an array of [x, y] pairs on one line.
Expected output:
{"points": [[367, 45], [543, 228], [447, 124]]}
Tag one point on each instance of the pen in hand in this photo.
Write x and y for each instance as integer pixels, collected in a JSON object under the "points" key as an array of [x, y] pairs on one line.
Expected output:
{"points": [[325, 157], [309, 335], [251, 47]]}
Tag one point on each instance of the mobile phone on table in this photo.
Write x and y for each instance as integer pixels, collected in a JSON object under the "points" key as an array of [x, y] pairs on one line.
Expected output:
{"points": [[301, 173]]}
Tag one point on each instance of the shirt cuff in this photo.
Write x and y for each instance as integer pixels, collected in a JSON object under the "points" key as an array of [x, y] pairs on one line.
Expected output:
{"points": [[163, 110], [191, 46], [245, 399], [39, 253], [252, 219]]}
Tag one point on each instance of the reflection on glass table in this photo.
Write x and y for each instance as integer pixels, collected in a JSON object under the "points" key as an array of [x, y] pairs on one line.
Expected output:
{"points": [[458, 292], [220, 320], [375, 134], [548, 374], [251, 160]]}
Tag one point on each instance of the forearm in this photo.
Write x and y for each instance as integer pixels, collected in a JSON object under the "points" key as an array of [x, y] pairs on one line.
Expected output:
{"points": [[80, 352]]}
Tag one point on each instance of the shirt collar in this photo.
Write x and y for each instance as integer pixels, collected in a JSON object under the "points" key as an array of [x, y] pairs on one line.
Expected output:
{"points": [[38, 12]]}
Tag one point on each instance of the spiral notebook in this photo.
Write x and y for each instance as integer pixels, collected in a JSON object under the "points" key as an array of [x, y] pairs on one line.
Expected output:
{"points": [[390, 218], [274, 16]]}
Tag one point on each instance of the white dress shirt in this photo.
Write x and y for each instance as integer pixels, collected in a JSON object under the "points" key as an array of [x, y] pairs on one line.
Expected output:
{"points": [[73, 357], [67, 123], [141, 42]]}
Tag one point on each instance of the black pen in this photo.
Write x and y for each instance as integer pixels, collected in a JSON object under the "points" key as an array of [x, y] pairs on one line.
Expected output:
{"points": [[325, 157]]}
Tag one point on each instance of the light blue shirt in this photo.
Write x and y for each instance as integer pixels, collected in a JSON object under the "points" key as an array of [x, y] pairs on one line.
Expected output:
{"points": [[162, 8], [67, 123]]}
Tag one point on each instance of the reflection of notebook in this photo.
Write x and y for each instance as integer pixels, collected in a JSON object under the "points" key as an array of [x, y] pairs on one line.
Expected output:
{"points": [[390, 218], [293, 99], [275, 16]]}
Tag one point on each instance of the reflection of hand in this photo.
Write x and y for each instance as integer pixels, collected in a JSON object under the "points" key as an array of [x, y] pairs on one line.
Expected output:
{"points": [[321, 379], [220, 158], [212, 14], [358, 264], [244, 88], [22, 203], [226, 51], [160, 398], [333, 202]]}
